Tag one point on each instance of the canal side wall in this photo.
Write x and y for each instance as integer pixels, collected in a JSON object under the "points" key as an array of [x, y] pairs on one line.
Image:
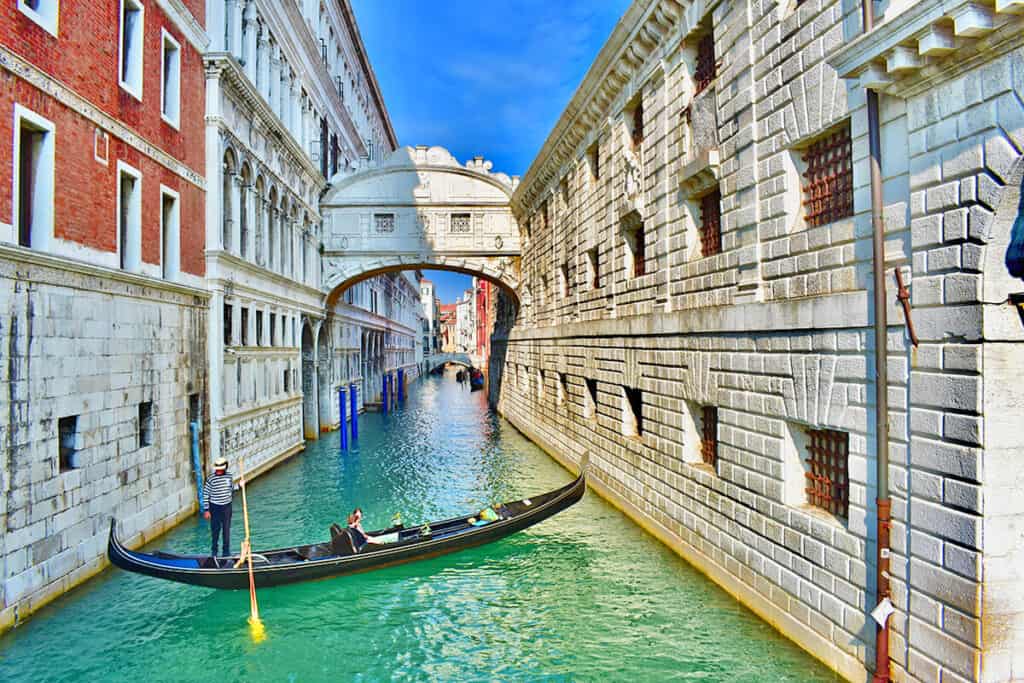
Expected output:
{"points": [[774, 332], [84, 342]]}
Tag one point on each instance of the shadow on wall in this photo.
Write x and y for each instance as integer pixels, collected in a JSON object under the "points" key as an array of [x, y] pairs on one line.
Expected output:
{"points": [[1015, 249], [507, 311]]}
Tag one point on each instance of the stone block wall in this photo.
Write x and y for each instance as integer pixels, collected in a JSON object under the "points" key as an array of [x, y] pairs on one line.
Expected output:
{"points": [[775, 331], [78, 342]]}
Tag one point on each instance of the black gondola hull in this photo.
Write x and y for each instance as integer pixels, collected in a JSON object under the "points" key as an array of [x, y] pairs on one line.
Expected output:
{"points": [[178, 567]]}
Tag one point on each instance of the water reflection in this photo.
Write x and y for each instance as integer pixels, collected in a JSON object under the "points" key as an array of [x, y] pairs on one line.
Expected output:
{"points": [[583, 596]]}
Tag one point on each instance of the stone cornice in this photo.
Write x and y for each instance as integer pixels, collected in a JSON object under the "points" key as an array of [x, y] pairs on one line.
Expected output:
{"points": [[930, 41], [371, 77], [836, 311], [83, 107], [230, 71], [633, 43], [315, 69], [69, 265], [239, 263], [183, 20]]}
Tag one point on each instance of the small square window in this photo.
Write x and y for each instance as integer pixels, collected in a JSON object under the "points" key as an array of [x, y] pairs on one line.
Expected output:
{"points": [[461, 224], [593, 268], [709, 436], [69, 446], [826, 470], [384, 222], [101, 145], [706, 68], [632, 412], [145, 423], [711, 223], [590, 398], [828, 177]]}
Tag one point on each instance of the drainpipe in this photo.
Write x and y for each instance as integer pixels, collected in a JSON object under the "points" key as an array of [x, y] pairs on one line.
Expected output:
{"points": [[883, 611]]}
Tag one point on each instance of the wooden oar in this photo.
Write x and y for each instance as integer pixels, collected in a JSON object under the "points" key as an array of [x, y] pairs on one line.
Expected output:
{"points": [[255, 625]]}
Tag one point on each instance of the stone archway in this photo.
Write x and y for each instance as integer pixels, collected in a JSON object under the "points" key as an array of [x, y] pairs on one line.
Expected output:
{"points": [[323, 378], [310, 409]]}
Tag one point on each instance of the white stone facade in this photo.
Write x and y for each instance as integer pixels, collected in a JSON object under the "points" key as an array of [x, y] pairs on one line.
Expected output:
{"points": [[283, 115], [768, 320]]}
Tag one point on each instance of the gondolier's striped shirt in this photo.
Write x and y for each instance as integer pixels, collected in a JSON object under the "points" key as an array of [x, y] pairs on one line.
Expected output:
{"points": [[217, 490]]}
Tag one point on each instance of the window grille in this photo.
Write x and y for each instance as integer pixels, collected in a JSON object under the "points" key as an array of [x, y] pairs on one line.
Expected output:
{"points": [[711, 224], [828, 180], [460, 223], [827, 472], [709, 437], [704, 73], [384, 222], [638, 124]]}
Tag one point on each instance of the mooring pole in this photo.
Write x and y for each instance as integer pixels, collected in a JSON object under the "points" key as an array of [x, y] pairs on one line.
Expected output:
{"points": [[196, 468], [355, 412], [342, 427], [401, 385], [384, 395]]}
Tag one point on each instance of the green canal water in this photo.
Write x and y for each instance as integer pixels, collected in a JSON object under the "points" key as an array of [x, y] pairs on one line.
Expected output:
{"points": [[584, 596]]}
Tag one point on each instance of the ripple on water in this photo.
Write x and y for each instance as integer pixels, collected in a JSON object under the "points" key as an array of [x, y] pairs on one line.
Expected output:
{"points": [[584, 596]]}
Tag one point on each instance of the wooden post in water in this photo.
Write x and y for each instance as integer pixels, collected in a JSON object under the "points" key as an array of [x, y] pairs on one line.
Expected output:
{"points": [[342, 427], [355, 412], [255, 625]]}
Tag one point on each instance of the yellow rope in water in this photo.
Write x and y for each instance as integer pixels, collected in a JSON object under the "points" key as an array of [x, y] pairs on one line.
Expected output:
{"points": [[256, 629]]}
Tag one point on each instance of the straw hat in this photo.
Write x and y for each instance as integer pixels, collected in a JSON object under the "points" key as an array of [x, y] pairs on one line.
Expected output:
{"points": [[220, 464]]}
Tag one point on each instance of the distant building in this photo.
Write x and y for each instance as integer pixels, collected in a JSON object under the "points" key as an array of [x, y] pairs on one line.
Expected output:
{"points": [[447, 324], [486, 302], [465, 323], [430, 306]]}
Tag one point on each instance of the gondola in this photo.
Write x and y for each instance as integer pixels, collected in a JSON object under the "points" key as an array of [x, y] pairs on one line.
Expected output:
{"points": [[339, 556]]}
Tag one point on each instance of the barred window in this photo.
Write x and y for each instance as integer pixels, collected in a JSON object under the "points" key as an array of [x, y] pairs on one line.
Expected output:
{"points": [[704, 73], [827, 471], [709, 436], [384, 222], [461, 223], [711, 223], [828, 179]]}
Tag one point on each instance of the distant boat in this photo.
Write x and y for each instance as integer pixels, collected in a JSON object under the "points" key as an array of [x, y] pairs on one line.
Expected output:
{"points": [[476, 379], [339, 556]]}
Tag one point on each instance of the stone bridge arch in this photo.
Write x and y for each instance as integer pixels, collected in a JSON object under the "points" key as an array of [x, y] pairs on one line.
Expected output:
{"points": [[420, 208]]}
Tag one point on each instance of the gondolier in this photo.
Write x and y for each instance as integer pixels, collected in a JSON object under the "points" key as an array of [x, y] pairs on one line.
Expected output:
{"points": [[217, 505]]}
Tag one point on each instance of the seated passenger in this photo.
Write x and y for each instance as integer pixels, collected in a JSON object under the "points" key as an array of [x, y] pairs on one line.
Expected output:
{"points": [[355, 529]]}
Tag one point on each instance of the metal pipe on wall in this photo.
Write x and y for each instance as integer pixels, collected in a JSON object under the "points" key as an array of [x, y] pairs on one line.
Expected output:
{"points": [[883, 504]]}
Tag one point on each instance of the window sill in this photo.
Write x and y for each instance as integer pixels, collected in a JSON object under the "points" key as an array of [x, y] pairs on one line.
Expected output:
{"points": [[134, 92], [175, 124], [821, 515], [48, 24]]}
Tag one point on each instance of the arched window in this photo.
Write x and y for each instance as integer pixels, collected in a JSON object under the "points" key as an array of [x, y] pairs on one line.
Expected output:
{"points": [[227, 195], [272, 211], [245, 204], [261, 218]]}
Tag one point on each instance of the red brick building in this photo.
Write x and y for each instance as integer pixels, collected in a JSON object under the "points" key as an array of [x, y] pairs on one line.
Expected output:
{"points": [[102, 238], [486, 307], [448, 320]]}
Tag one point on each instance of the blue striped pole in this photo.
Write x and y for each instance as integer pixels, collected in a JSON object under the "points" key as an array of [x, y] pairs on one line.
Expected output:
{"points": [[341, 416], [355, 412], [384, 395], [401, 385]]}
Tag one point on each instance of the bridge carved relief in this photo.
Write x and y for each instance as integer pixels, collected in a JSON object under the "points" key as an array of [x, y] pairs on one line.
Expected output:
{"points": [[420, 208]]}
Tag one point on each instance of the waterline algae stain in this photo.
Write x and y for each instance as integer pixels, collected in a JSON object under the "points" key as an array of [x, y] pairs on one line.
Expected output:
{"points": [[584, 596]]}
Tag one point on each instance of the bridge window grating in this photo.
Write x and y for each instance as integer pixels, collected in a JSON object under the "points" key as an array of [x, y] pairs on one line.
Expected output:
{"points": [[827, 472], [384, 222], [711, 223], [828, 179], [460, 223], [709, 436]]}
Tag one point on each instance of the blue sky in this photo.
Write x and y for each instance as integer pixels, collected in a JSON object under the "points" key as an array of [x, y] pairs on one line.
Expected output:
{"points": [[485, 77], [481, 77]]}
